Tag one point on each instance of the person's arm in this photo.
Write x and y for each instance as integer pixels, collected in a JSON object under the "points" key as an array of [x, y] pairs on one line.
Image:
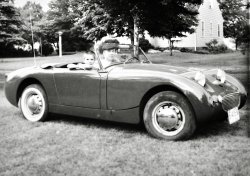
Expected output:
{"points": [[81, 66], [76, 66], [71, 66]]}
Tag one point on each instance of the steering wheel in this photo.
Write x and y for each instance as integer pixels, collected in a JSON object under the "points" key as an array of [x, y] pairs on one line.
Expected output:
{"points": [[130, 59]]}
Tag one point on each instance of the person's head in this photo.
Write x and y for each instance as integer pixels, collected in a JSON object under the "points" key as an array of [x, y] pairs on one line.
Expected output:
{"points": [[110, 51], [109, 46], [89, 59]]}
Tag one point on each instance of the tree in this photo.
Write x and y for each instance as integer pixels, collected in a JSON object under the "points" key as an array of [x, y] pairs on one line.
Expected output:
{"points": [[161, 18], [91, 20], [61, 17], [235, 19], [32, 14], [10, 23], [47, 31]]}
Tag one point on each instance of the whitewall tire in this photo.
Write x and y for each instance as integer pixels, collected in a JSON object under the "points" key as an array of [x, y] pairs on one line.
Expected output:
{"points": [[33, 103]]}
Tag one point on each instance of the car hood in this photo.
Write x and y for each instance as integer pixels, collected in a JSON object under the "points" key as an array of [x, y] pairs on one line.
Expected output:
{"points": [[154, 71], [159, 68]]}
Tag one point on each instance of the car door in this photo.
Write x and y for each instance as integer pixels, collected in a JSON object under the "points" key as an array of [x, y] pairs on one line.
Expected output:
{"points": [[79, 88]]}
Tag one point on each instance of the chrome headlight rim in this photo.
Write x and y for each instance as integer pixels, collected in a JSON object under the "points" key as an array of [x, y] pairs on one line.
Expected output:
{"points": [[221, 76], [200, 78]]}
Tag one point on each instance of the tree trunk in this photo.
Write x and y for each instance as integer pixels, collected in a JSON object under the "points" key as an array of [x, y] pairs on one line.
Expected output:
{"points": [[136, 37], [41, 47], [170, 47], [32, 48], [132, 38], [236, 44]]}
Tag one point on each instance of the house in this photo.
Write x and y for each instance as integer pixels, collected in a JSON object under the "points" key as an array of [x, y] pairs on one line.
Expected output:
{"points": [[210, 27]]}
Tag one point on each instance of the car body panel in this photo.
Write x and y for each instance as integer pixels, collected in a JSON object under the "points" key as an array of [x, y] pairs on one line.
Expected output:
{"points": [[126, 116], [80, 88]]}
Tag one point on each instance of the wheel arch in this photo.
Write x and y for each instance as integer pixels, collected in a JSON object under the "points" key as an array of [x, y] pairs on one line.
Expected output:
{"points": [[26, 82], [154, 90]]}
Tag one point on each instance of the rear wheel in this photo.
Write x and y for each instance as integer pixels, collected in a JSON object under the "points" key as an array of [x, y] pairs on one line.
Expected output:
{"points": [[169, 115], [33, 103]]}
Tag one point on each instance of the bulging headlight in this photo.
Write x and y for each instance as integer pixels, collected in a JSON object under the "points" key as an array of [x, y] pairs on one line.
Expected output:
{"points": [[200, 78], [221, 76]]}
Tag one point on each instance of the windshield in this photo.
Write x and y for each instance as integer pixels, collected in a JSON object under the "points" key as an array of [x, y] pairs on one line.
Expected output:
{"points": [[121, 55]]}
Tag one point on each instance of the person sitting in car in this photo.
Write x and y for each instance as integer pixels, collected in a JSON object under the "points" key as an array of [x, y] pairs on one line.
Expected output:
{"points": [[108, 50], [88, 64]]}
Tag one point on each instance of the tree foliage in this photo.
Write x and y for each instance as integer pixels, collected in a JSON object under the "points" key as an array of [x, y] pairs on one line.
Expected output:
{"points": [[61, 17], [10, 23], [161, 18], [235, 19], [33, 18], [46, 48], [32, 15], [92, 21]]}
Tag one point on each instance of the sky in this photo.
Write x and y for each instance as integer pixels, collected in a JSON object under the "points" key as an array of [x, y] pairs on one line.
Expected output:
{"points": [[43, 3]]}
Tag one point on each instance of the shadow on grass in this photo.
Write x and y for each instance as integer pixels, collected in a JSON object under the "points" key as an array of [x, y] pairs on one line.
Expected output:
{"points": [[221, 128], [205, 130], [213, 128], [97, 123]]}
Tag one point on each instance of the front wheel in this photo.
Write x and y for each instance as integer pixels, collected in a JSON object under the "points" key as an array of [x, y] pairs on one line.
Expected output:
{"points": [[33, 103], [169, 115]]}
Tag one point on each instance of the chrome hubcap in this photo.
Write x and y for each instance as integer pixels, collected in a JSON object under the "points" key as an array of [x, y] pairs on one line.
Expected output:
{"points": [[168, 118], [34, 104]]}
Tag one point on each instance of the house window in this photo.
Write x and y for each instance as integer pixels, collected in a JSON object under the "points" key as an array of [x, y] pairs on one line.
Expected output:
{"points": [[202, 28], [218, 30], [211, 28]]}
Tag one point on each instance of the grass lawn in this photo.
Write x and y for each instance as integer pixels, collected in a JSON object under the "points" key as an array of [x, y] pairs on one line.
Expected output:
{"points": [[66, 145]]}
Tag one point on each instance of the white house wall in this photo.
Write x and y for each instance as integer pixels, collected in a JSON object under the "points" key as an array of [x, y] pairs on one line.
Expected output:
{"points": [[209, 16]]}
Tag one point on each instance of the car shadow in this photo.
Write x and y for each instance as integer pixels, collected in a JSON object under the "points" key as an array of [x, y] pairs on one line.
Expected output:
{"points": [[204, 131], [220, 128], [98, 123]]}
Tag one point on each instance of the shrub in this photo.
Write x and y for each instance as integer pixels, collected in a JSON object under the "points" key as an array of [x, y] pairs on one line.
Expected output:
{"points": [[12, 51], [201, 51], [160, 48], [222, 48], [245, 48], [186, 50], [214, 47], [144, 44], [47, 48]]}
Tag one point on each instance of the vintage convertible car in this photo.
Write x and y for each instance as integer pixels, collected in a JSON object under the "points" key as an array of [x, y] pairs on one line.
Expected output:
{"points": [[170, 101]]}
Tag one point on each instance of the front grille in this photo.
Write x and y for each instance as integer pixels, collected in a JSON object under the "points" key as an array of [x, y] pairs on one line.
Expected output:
{"points": [[231, 101]]}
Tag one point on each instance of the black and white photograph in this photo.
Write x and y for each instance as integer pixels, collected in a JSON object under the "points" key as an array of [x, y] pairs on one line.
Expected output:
{"points": [[124, 87]]}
